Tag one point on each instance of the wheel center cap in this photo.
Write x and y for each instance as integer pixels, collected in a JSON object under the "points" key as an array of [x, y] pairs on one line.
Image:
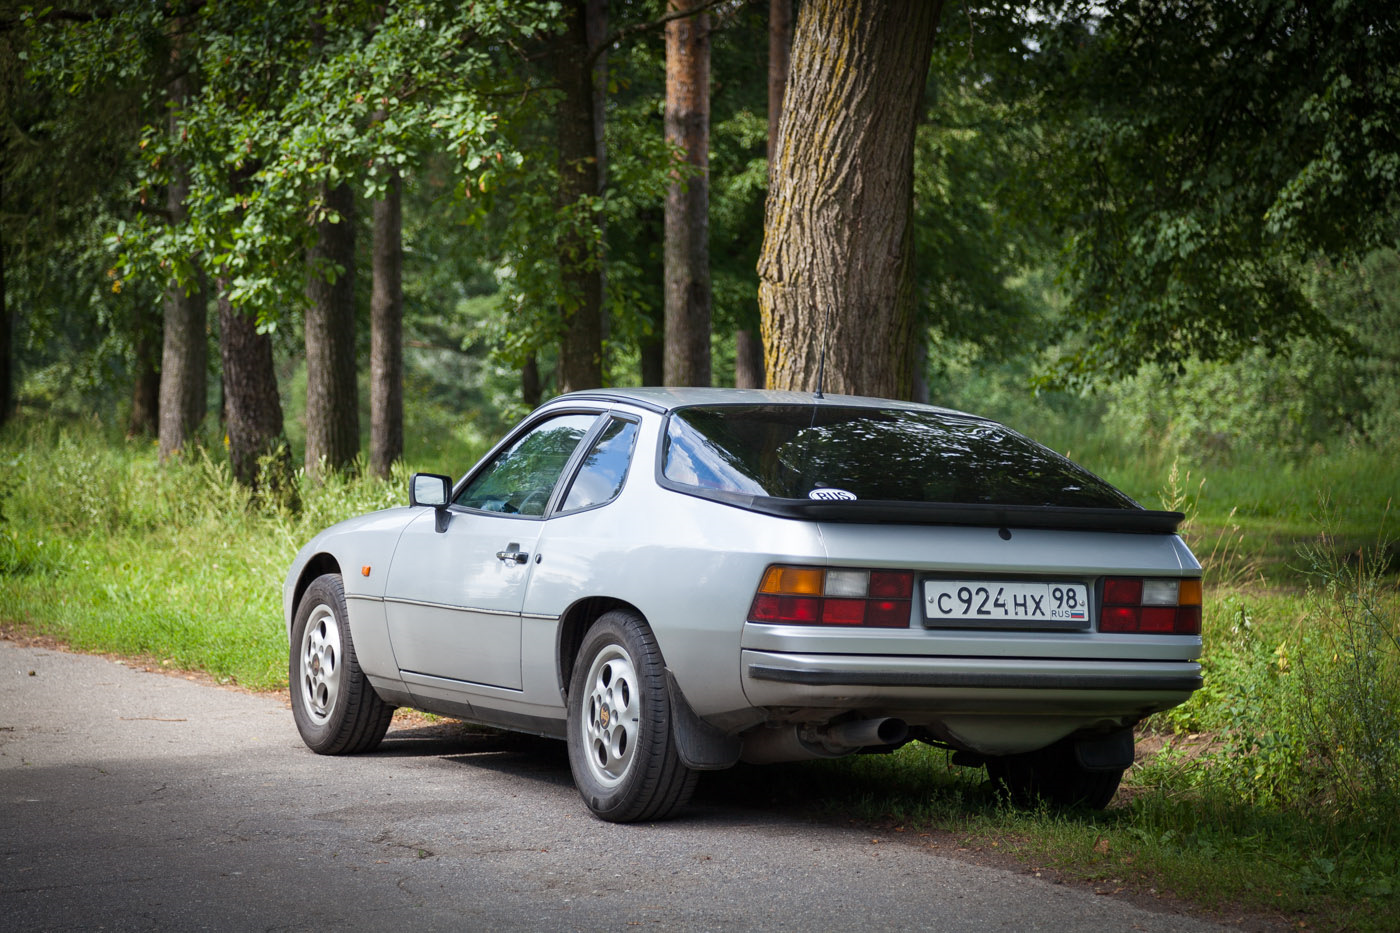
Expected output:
{"points": [[605, 715]]}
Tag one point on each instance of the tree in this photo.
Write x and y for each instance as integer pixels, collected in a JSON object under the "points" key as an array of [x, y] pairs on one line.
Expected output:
{"points": [[183, 364], [748, 345], [688, 300], [835, 274], [1202, 153], [332, 407], [386, 332], [580, 287]]}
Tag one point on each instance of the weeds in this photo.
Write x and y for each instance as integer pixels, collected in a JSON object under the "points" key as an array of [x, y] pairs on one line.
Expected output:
{"points": [[1350, 679]]}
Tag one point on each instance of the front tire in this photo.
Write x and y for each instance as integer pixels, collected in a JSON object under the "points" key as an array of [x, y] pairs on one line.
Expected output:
{"points": [[336, 710], [621, 750]]}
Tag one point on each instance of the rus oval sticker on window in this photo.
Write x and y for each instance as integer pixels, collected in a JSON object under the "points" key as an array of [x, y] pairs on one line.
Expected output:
{"points": [[826, 494]]}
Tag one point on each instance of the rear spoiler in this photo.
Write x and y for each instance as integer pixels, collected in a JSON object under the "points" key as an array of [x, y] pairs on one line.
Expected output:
{"points": [[889, 512]]}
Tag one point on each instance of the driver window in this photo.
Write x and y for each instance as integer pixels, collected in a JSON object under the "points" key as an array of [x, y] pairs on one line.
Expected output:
{"points": [[520, 479]]}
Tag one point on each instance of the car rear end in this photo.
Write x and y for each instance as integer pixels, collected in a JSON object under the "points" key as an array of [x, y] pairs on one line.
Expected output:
{"points": [[976, 588]]}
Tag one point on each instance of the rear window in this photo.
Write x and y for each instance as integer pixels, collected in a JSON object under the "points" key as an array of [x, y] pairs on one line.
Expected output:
{"points": [[835, 452]]}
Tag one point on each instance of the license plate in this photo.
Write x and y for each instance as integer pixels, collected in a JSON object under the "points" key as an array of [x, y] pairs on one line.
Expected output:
{"points": [[993, 601]]}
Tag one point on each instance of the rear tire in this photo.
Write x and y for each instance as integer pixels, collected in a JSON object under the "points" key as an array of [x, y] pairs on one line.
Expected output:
{"points": [[1053, 775], [621, 749], [336, 710]]}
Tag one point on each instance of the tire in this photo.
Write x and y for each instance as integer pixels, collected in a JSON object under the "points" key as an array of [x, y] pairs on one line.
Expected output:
{"points": [[1052, 775], [621, 750], [336, 710]]}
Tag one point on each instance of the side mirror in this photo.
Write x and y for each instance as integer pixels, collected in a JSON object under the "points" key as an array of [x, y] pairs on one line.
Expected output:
{"points": [[433, 490]]}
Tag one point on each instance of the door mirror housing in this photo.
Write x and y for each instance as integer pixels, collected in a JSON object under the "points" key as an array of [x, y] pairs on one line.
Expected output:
{"points": [[431, 489]]}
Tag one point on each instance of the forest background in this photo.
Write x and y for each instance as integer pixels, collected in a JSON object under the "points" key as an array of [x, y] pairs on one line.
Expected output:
{"points": [[259, 261]]}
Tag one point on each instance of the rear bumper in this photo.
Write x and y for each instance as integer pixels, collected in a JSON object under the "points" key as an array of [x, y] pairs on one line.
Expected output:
{"points": [[933, 690]]}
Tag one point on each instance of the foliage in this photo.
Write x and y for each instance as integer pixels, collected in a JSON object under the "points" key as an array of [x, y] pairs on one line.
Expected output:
{"points": [[1199, 152]]}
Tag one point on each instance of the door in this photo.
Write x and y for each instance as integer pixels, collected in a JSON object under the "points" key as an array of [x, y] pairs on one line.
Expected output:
{"points": [[453, 598]]}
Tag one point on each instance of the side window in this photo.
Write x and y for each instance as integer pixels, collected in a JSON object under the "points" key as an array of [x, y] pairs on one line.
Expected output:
{"points": [[600, 477], [520, 479]]}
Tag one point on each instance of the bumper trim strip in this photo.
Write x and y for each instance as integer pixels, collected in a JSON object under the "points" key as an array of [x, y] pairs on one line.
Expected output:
{"points": [[976, 680]]}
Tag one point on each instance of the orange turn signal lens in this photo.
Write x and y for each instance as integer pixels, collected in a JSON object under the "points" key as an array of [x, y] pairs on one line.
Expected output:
{"points": [[1190, 594], [792, 581]]}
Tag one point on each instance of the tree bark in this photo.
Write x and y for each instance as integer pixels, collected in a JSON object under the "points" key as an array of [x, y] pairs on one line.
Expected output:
{"points": [[530, 382], [687, 290], [581, 295], [596, 32], [145, 389], [836, 269], [183, 363], [386, 333], [7, 376], [748, 343], [251, 405], [332, 397]]}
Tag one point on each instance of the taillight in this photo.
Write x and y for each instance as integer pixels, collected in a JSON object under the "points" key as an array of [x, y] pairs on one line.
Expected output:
{"points": [[1151, 606], [813, 596]]}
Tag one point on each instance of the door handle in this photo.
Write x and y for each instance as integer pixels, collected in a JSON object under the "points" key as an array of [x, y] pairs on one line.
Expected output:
{"points": [[512, 554]]}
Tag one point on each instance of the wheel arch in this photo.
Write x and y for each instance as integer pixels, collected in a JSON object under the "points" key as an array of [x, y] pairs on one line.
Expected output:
{"points": [[318, 565], [574, 625]]}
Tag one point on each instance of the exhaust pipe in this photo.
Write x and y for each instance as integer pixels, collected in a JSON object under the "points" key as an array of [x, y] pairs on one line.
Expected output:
{"points": [[770, 744]]}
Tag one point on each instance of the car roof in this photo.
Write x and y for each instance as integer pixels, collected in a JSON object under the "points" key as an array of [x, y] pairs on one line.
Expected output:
{"points": [[668, 398]]}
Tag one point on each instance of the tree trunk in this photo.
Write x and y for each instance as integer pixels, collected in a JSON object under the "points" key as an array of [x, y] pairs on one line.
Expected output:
{"points": [[748, 344], [7, 376], [145, 389], [530, 383], [251, 405], [183, 364], [581, 295], [687, 237], [386, 333], [596, 31], [332, 397], [836, 270]]}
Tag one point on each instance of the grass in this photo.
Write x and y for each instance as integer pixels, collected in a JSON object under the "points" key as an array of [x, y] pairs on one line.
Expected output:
{"points": [[1274, 790]]}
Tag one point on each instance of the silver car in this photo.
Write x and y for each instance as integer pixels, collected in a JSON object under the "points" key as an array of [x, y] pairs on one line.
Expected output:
{"points": [[675, 580]]}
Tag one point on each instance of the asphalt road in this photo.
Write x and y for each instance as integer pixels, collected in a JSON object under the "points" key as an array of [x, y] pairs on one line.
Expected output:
{"points": [[136, 801]]}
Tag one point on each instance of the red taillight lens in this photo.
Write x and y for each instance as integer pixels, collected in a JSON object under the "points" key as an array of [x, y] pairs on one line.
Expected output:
{"points": [[1151, 607], [1117, 592], [870, 598], [843, 612]]}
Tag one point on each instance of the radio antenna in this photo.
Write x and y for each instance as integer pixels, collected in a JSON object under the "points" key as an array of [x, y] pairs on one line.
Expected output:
{"points": [[821, 353]]}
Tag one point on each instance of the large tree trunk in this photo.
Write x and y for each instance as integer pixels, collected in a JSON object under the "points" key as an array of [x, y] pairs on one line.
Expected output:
{"points": [[581, 298], [145, 387], [332, 398], [251, 405], [688, 200], [836, 267], [386, 333]]}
